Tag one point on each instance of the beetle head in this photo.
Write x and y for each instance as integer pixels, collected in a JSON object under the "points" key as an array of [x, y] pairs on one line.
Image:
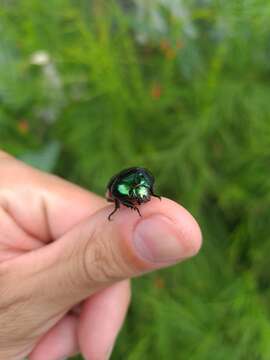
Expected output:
{"points": [[141, 194]]}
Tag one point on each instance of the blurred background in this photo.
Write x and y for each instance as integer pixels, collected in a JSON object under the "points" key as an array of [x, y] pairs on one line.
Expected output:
{"points": [[181, 87]]}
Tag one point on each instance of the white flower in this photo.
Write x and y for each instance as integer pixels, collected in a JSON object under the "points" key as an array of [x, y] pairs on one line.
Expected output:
{"points": [[40, 58]]}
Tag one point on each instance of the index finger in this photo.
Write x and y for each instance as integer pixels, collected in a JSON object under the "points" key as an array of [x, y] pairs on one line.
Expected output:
{"points": [[44, 205]]}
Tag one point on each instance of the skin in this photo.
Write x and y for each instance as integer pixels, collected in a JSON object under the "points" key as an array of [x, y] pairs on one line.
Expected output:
{"points": [[65, 269]]}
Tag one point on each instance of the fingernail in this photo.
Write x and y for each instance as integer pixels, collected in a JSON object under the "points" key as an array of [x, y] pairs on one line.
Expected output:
{"points": [[156, 239]]}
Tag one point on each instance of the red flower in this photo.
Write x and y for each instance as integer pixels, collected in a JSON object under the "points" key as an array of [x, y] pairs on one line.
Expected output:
{"points": [[156, 91], [23, 126]]}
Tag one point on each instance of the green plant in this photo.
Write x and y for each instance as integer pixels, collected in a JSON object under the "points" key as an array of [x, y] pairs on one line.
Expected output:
{"points": [[184, 84]]}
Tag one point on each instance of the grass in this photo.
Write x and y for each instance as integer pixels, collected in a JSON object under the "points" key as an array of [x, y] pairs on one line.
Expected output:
{"points": [[182, 88]]}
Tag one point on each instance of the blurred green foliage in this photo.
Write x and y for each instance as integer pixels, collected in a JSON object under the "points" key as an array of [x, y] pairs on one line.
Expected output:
{"points": [[182, 87]]}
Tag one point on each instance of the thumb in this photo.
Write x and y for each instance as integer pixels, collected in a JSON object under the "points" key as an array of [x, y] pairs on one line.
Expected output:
{"points": [[98, 252]]}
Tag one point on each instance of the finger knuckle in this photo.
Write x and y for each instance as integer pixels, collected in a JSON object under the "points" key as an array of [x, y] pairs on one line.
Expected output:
{"points": [[102, 262]]}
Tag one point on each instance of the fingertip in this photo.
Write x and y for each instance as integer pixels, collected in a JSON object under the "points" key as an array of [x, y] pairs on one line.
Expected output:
{"points": [[188, 227], [182, 218]]}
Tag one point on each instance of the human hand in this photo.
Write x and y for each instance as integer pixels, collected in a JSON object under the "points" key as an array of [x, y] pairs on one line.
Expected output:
{"points": [[64, 268]]}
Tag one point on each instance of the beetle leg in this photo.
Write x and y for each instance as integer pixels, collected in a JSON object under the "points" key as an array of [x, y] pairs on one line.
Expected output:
{"points": [[117, 205], [153, 194], [129, 204], [138, 211]]}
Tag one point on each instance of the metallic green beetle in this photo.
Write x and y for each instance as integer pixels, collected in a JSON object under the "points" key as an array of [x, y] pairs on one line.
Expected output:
{"points": [[131, 187]]}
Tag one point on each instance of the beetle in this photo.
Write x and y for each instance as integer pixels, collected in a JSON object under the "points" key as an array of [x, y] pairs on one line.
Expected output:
{"points": [[130, 187]]}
